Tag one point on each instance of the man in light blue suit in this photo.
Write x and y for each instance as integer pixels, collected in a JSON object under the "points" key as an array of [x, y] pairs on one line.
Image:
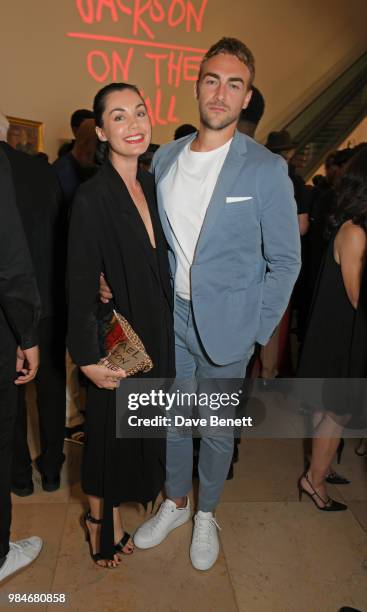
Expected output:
{"points": [[228, 212]]}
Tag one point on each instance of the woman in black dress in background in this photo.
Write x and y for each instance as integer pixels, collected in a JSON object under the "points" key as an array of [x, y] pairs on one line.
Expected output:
{"points": [[331, 333], [115, 229]]}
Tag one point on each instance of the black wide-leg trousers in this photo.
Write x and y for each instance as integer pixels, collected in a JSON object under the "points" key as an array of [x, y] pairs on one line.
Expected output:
{"points": [[51, 404]]}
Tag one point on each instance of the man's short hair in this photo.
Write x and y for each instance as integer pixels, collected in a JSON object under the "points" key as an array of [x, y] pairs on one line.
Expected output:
{"points": [[232, 46], [79, 116]]}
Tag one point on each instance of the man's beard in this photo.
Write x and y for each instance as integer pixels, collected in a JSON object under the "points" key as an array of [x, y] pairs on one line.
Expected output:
{"points": [[212, 125]]}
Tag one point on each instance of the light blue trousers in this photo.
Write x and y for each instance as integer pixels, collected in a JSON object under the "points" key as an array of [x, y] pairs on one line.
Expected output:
{"points": [[194, 367]]}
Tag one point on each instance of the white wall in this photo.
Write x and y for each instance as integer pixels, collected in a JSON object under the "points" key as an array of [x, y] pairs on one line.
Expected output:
{"points": [[299, 48]]}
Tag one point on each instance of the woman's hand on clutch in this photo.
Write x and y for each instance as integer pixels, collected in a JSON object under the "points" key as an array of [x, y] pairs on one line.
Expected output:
{"points": [[103, 377]]}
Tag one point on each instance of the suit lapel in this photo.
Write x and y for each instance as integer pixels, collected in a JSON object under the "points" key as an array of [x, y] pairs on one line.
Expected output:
{"points": [[228, 175], [161, 249], [232, 166], [160, 173]]}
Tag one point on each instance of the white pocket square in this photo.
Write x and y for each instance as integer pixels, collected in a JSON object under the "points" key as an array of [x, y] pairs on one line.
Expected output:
{"points": [[233, 200]]}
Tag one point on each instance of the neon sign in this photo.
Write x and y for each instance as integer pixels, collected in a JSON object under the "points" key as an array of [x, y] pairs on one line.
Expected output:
{"points": [[172, 64]]}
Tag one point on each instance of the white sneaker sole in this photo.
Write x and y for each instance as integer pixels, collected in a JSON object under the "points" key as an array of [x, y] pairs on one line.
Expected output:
{"points": [[178, 523], [203, 566]]}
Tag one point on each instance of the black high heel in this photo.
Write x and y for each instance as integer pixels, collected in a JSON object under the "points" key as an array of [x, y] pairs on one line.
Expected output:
{"points": [[95, 556], [336, 479], [331, 505], [339, 450]]}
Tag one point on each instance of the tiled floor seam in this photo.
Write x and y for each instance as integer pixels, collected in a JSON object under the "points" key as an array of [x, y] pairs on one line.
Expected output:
{"points": [[58, 555], [227, 568], [358, 521]]}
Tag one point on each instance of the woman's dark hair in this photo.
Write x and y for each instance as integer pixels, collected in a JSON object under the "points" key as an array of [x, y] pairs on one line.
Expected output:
{"points": [[351, 195], [99, 105], [184, 130]]}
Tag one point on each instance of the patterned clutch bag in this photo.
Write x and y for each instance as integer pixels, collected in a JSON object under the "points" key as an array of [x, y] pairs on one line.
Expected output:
{"points": [[123, 347]]}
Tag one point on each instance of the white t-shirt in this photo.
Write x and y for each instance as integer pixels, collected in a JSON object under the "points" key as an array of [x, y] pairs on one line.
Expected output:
{"points": [[187, 190]]}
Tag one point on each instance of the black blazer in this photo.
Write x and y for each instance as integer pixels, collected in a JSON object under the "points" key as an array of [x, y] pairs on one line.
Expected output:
{"points": [[39, 201], [19, 298], [107, 234]]}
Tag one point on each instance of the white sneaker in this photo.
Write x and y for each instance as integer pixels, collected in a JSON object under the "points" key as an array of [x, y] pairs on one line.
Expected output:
{"points": [[204, 548], [153, 532], [21, 553]]}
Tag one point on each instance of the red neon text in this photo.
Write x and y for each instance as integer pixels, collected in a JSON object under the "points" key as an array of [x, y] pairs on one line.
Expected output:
{"points": [[155, 109], [144, 14], [175, 67], [102, 67]]}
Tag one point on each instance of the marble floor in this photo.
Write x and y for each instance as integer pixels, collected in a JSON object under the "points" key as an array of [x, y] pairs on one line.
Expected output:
{"points": [[277, 555]]}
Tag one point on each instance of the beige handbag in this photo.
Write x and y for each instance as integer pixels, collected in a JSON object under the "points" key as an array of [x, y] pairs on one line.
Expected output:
{"points": [[123, 347]]}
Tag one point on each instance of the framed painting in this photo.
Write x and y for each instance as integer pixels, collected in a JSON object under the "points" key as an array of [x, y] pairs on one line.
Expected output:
{"points": [[25, 135]]}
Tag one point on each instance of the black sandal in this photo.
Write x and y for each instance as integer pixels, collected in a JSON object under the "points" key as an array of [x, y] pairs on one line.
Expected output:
{"points": [[119, 547], [95, 556]]}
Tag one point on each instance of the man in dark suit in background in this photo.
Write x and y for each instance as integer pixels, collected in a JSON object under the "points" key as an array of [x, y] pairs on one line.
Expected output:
{"points": [[19, 314], [76, 121], [38, 198], [77, 166]]}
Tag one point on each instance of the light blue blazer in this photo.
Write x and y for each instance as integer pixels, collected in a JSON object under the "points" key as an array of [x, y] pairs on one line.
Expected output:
{"points": [[247, 257]]}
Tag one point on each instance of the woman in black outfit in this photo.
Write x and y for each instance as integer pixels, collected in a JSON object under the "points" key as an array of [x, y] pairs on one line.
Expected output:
{"points": [[115, 230], [329, 349]]}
